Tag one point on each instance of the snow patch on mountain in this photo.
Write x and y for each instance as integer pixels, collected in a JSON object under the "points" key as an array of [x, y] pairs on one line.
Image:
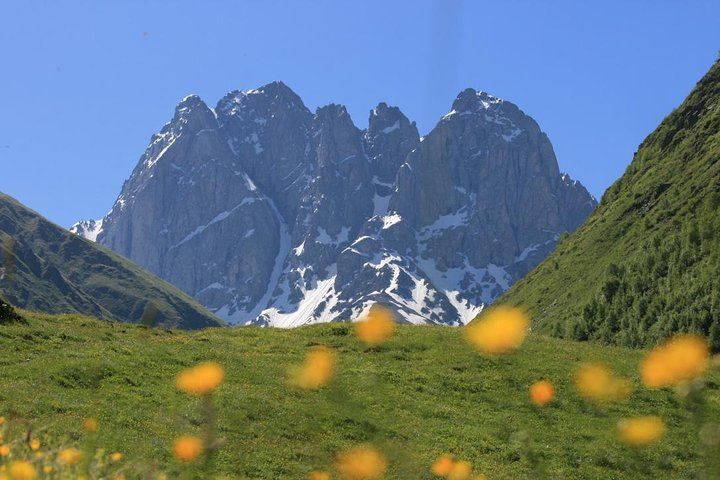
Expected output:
{"points": [[316, 306], [88, 229]]}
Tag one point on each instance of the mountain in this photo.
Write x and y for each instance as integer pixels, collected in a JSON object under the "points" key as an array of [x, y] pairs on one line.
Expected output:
{"points": [[645, 264], [47, 269], [270, 214]]}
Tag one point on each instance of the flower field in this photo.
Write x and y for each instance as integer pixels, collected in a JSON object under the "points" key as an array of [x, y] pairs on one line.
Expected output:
{"points": [[81, 398]]}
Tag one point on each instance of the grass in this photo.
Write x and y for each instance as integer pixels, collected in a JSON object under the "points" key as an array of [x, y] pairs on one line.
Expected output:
{"points": [[645, 263], [46, 268], [423, 393]]}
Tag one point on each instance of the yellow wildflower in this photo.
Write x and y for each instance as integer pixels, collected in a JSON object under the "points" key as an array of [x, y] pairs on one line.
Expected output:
{"points": [[682, 358], [500, 330], [202, 379], [90, 425], [34, 444], [70, 456], [595, 382], [4, 450], [2, 420], [641, 430], [116, 456], [187, 448], [47, 469], [119, 476], [318, 369], [443, 465], [460, 471], [318, 476], [22, 470], [361, 463], [377, 327], [542, 393]]}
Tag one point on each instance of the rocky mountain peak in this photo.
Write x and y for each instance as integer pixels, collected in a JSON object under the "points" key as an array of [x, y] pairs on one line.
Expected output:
{"points": [[192, 114], [273, 98], [273, 215], [471, 100], [389, 139], [332, 113], [387, 120]]}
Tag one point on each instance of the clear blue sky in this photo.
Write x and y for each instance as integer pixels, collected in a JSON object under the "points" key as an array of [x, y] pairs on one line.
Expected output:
{"points": [[85, 84]]}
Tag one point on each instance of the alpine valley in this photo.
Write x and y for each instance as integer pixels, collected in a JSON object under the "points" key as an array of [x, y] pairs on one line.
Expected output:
{"points": [[271, 215]]}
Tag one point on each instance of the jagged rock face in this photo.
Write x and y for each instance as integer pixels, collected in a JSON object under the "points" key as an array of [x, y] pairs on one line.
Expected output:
{"points": [[389, 139], [267, 129], [272, 215], [190, 214]]}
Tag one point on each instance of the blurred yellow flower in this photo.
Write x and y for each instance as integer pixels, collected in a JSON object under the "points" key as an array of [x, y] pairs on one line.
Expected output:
{"points": [[680, 359], [2, 420], [90, 425], [377, 327], [318, 476], [119, 476], [70, 456], [187, 448], [202, 379], [542, 393], [501, 330], [640, 431], [22, 470], [162, 476], [34, 444], [595, 382], [47, 469], [443, 465], [361, 463], [116, 456], [4, 450], [460, 471], [318, 369]]}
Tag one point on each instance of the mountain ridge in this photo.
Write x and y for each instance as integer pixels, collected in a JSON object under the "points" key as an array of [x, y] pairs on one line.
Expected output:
{"points": [[46, 268], [329, 218]]}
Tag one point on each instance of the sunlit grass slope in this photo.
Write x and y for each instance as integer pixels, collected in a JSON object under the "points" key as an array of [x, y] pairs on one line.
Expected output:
{"points": [[44, 267], [423, 393], [645, 264]]}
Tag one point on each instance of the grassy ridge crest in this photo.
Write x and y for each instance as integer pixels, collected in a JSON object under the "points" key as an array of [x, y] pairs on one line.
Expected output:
{"points": [[44, 267], [645, 264]]}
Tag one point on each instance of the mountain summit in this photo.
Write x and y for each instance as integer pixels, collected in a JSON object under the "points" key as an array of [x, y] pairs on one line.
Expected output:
{"points": [[269, 214]]}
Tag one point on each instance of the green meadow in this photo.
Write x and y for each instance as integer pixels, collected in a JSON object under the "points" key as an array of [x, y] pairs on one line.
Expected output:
{"points": [[423, 393]]}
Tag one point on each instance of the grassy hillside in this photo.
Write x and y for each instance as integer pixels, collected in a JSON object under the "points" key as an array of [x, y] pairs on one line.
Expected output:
{"points": [[646, 262], [45, 268], [423, 393]]}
